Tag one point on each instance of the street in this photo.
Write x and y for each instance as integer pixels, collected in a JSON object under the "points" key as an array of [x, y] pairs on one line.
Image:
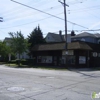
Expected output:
{"points": [[41, 84]]}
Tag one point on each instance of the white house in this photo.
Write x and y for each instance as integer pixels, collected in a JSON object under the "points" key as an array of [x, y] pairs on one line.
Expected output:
{"points": [[53, 37]]}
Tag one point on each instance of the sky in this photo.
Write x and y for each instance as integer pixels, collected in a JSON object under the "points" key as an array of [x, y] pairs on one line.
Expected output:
{"points": [[20, 18]]}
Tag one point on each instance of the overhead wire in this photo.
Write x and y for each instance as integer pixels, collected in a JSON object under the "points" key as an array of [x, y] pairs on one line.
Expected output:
{"points": [[30, 22], [86, 9], [14, 17], [28, 14], [48, 14], [90, 14], [93, 14], [75, 2], [17, 9], [9, 11]]}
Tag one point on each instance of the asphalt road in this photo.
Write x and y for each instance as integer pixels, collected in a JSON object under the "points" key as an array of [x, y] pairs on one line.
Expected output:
{"points": [[39, 84]]}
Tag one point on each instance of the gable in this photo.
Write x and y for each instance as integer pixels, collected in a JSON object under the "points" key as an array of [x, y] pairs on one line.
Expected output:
{"points": [[49, 38]]}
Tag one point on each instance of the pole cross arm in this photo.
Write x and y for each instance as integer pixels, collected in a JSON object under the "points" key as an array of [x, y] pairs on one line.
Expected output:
{"points": [[63, 3]]}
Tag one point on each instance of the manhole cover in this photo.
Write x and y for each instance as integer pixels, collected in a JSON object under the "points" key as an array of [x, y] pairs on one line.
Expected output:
{"points": [[15, 89]]}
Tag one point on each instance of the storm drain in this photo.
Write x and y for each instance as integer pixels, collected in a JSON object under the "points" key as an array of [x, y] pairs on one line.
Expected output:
{"points": [[15, 89]]}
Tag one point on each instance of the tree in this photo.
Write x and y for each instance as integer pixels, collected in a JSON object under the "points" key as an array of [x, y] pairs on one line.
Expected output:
{"points": [[4, 49], [18, 43], [35, 37]]}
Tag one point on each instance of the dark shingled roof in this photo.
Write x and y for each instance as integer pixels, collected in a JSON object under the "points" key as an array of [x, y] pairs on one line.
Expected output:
{"points": [[71, 46], [58, 37], [79, 45], [49, 46], [7, 39], [97, 35]]}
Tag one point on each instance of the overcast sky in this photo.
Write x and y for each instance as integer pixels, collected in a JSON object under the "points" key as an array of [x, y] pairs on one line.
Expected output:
{"points": [[17, 17]]}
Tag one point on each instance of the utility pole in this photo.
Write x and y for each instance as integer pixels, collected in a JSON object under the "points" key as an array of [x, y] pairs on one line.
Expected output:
{"points": [[65, 18]]}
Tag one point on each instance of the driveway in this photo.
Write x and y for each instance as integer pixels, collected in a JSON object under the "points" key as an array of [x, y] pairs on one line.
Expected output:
{"points": [[40, 84]]}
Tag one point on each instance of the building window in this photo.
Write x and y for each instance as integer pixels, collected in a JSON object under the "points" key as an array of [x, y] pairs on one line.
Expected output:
{"points": [[82, 60], [44, 59]]}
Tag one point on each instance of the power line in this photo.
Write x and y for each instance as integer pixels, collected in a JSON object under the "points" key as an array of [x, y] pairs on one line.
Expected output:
{"points": [[47, 9], [48, 13], [86, 8], [92, 14], [31, 22], [85, 30], [17, 9], [10, 10], [81, 30]]}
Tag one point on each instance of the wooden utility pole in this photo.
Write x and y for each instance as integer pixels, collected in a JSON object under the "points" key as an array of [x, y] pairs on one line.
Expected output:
{"points": [[65, 15], [65, 18]]}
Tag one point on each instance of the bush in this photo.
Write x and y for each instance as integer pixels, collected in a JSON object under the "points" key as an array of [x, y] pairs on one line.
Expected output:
{"points": [[22, 61], [12, 61], [30, 61], [17, 61]]}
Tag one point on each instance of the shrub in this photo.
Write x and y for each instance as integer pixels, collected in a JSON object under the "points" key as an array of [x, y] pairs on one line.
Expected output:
{"points": [[12, 61], [24, 62], [30, 61]]}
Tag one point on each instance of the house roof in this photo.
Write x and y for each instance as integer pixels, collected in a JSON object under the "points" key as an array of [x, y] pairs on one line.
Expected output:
{"points": [[97, 35], [70, 46], [7, 39], [58, 37], [79, 45], [49, 46], [86, 34]]}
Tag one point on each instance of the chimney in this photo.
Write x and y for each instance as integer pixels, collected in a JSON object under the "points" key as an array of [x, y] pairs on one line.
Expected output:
{"points": [[60, 34], [73, 33]]}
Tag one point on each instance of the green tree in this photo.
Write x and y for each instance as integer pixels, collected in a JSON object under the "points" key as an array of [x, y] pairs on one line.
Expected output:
{"points": [[35, 37], [4, 50], [18, 43]]}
